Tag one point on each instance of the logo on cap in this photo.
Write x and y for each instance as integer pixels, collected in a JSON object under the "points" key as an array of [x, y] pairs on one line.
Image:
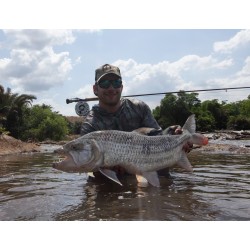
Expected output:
{"points": [[106, 69]]}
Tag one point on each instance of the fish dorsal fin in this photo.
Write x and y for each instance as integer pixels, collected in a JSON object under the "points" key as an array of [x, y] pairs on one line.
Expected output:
{"points": [[184, 163], [110, 174], [190, 124], [152, 178], [142, 182]]}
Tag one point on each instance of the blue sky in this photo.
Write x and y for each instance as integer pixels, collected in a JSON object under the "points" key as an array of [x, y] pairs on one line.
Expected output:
{"points": [[58, 64]]}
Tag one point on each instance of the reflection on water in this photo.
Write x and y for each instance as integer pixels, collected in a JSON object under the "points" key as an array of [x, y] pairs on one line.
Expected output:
{"points": [[217, 190]]}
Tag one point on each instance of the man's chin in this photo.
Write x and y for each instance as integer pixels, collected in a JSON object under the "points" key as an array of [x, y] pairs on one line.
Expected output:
{"points": [[111, 100]]}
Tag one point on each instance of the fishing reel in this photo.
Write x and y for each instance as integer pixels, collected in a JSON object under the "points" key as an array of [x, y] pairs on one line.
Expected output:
{"points": [[81, 107]]}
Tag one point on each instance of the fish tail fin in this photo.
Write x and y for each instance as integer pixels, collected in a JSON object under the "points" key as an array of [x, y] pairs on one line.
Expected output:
{"points": [[190, 124], [196, 138]]}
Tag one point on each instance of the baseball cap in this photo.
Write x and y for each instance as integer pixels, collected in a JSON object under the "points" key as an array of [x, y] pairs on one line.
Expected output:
{"points": [[105, 70]]}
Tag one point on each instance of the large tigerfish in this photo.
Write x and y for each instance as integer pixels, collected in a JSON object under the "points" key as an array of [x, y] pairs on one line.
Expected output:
{"points": [[138, 154]]}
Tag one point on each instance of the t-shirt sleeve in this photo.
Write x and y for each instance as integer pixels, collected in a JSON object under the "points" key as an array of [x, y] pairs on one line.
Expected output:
{"points": [[87, 125]]}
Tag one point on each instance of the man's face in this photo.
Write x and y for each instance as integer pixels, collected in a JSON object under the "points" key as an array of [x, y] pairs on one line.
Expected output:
{"points": [[108, 96]]}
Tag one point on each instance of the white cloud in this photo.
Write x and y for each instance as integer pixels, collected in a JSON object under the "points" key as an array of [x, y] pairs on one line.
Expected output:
{"points": [[241, 38], [38, 39], [166, 76], [190, 72], [195, 62], [246, 68], [33, 64], [86, 91]]}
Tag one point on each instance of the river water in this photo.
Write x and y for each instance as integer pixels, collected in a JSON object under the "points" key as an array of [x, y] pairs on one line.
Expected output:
{"points": [[218, 190]]}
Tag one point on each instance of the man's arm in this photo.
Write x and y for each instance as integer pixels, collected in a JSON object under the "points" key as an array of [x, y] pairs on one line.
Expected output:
{"points": [[86, 128]]}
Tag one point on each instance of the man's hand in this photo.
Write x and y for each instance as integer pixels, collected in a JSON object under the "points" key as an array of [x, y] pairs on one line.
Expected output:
{"points": [[188, 147], [177, 130]]}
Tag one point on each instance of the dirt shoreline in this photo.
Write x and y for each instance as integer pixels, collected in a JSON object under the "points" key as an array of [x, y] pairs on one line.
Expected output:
{"points": [[223, 148], [10, 145]]}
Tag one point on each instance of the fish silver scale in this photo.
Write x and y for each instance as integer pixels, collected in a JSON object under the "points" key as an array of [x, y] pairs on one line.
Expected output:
{"points": [[140, 152]]}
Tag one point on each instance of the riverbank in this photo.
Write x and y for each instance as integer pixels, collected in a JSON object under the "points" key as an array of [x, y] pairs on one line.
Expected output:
{"points": [[10, 145], [223, 148]]}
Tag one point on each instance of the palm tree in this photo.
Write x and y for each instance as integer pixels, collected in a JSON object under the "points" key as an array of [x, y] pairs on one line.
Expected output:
{"points": [[4, 107], [11, 106]]}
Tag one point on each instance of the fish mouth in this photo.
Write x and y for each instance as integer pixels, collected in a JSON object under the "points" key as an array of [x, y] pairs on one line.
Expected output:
{"points": [[65, 164]]}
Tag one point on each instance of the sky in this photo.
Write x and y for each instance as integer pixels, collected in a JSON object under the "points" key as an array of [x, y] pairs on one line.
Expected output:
{"points": [[58, 64]]}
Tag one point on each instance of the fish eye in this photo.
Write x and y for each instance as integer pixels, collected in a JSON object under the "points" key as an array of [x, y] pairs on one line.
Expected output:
{"points": [[76, 146]]}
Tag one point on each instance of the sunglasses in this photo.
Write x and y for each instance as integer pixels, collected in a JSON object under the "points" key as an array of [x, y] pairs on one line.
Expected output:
{"points": [[105, 84]]}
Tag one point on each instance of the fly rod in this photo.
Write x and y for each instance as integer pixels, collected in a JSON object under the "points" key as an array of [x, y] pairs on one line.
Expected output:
{"points": [[164, 93]]}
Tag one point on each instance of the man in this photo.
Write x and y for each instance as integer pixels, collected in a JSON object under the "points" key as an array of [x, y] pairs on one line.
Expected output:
{"points": [[116, 113]]}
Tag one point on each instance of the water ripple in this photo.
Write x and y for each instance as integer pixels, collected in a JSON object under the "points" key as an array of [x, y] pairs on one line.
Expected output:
{"points": [[217, 190]]}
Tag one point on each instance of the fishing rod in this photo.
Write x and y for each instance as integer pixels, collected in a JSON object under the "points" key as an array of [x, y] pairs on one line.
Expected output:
{"points": [[82, 106]]}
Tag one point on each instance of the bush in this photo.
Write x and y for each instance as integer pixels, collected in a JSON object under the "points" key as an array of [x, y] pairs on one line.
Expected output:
{"points": [[41, 123], [238, 123]]}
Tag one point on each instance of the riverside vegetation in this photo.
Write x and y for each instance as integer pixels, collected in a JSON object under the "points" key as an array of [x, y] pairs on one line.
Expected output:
{"points": [[21, 120]]}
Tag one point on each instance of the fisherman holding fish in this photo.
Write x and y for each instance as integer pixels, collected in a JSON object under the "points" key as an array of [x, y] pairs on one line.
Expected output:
{"points": [[116, 113]]}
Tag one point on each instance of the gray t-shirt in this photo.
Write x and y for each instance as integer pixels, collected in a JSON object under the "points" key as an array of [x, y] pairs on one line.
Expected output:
{"points": [[132, 114]]}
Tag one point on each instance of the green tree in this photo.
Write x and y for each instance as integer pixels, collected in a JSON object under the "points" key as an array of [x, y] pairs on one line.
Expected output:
{"points": [[239, 123], [204, 121], [175, 109], [216, 110], [11, 110], [244, 107], [75, 127], [41, 123]]}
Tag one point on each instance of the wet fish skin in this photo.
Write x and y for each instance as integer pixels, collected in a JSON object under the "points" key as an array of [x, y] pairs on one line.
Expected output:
{"points": [[139, 154]]}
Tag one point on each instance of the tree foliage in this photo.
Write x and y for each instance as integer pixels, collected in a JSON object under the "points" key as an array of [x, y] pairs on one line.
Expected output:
{"points": [[210, 114], [11, 109], [174, 109], [25, 122], [41, 123]]}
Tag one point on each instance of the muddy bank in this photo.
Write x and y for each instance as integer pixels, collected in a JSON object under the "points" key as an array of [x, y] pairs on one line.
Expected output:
{"points": [[215, 147], [229, 135], [227, 142], [10, 145]]}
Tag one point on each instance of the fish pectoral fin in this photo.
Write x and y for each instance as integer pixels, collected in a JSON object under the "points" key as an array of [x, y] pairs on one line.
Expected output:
{"points": [[184, 163], [111, 175], [152, 178], [142, 182]]}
